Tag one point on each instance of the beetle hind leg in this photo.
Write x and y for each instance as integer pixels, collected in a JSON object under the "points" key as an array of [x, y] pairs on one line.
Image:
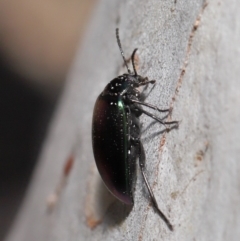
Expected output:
{"points": [[142, 165]]}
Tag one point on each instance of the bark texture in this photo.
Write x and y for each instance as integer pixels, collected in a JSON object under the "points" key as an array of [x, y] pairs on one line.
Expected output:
{"points": [[192, 49]]}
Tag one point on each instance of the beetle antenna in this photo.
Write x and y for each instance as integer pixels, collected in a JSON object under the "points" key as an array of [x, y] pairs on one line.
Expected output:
{"points": [[133, 62], [120, 47]]}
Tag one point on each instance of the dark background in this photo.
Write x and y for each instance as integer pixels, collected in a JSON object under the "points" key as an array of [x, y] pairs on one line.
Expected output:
{"points": [[25, 114]]}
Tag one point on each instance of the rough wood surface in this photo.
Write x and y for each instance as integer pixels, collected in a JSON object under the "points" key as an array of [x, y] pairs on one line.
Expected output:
{"points": [[192, 50]]}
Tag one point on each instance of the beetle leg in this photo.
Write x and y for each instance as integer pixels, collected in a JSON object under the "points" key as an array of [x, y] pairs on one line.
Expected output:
{"points": [[142, 164], [136, 110], [149, 105], [146, 82], [158, 120], [144, 96]]}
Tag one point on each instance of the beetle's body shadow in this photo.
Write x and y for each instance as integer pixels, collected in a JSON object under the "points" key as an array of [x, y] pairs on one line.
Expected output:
{"points": [[116, 211]]}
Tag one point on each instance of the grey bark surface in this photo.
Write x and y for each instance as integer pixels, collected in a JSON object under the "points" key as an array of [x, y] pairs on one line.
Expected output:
{"points": [[192, 50]]}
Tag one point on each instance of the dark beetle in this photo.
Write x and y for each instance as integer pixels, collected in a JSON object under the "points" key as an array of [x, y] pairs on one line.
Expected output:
{"points": [[116, 133]]}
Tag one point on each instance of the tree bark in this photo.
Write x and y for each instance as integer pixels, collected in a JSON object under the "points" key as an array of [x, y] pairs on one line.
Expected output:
{"points": [[192, 49]]}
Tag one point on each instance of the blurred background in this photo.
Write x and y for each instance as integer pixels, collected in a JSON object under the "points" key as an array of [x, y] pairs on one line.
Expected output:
{"points": [[38, 40]]}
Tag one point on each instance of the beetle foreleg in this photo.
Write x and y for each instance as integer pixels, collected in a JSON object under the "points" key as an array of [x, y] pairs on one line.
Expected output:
{"points": [[144, 96], [142, 164], [146, 82]]}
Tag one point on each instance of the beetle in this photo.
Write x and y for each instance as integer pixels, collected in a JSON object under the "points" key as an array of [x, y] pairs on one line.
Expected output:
{"points": [[116, 133]]}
